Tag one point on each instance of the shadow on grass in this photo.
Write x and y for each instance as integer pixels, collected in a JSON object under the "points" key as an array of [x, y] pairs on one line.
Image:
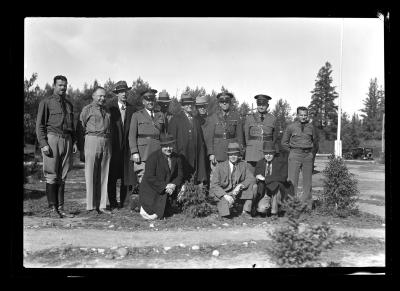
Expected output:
{"points": [[33, 194]]}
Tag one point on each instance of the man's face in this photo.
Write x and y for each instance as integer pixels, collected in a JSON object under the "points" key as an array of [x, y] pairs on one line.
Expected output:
{"points": [[167, 149], [262, 106], [233, 158], [164, 106], [202, 109], [269, 157], [122, 96], [60, 87], [224, 104], [302, 116], [188, 108], [99, 96], [148, 104]]}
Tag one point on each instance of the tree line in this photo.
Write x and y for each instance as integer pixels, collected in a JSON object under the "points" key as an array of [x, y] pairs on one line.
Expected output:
{"points": [[322, 110]]}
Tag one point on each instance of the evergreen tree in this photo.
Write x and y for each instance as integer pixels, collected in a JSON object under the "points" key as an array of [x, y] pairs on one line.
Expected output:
{"points": [[350, 135], [138, 87], [282, 113], [322, 109], [373, 110]]}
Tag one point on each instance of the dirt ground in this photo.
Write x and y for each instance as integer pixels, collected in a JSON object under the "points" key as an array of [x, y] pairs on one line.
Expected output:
{"points": [[126, 241]]}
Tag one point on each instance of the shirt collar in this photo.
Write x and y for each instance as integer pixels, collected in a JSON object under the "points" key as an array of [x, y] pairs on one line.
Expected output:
{"points": [[120, 105]]}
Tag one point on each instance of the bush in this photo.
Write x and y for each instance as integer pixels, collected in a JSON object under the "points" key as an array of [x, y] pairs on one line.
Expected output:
{"points": [[340, 192], [298, 245], [194, 201]]}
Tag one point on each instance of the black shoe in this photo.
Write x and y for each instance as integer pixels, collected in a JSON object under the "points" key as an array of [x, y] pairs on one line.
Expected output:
{"points": [[103, 210], [63, 213], [54, 213]]}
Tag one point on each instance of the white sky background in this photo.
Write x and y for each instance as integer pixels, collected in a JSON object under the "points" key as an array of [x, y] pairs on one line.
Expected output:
{"points": [[279, 57]]}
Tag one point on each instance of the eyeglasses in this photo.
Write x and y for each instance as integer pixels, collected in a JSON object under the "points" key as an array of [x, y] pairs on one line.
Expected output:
{"points": [[262, 104]]}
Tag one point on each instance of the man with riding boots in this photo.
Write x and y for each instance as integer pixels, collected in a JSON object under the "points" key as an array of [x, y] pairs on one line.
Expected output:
{"points": [[96, 120], [225, 127], [121, 167], [164, 101], [258, 128], [144, 133], [56, 136]]}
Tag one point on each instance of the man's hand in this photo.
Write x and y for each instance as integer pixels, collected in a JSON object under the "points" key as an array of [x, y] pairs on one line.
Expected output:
{"points": [[74, 148], [229, 199], [135, 157], [170, 188], [212, 159], [260, 177], [237, 189], [46, 150]]}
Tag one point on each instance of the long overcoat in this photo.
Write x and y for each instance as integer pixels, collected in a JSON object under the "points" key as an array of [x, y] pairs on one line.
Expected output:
{"points": [[120, 165], [157, 175], [190, 143]]}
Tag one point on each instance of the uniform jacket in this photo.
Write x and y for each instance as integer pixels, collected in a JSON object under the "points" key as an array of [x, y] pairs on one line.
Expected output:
{"points": [[294, 137], [142, 124], [190, 144], [157, 175], [222, 184], [95, 120], [120, 165], [222, 132], [255, 128]]}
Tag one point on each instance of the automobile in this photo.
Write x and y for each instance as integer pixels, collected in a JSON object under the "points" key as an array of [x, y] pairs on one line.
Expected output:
{"points": [[363, 153]]}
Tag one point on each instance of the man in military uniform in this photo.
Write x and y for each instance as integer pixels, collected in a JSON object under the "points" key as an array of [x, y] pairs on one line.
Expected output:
{"points": [[299, 138], [225, 127], [258, 128], [144, 133], [164, 101]]}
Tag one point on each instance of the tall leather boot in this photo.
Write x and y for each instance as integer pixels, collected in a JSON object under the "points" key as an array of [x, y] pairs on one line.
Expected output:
{"points": [[51, 193], [60, 194]]}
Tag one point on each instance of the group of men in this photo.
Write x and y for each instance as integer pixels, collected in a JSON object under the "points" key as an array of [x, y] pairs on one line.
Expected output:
{"points": [[156, 152]]}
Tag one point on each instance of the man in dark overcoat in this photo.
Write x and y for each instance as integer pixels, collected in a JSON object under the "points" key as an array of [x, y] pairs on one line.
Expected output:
{"points": [[162, 178], [186, 129], [121, 167]]}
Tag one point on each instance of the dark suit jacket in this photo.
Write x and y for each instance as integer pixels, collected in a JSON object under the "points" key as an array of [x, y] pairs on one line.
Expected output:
{"points": [[120, 164], [157, 175]]}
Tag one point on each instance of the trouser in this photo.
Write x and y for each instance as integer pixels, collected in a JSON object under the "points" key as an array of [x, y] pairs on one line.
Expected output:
{"points": [[224, 206], [270, 202], [139, 168], [97, 161], [57, 166], [112, 191], [304, 160]]}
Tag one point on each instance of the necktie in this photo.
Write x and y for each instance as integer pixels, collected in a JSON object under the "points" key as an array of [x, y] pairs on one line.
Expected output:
{"points": [[169, 163], [302, 127], [268, 169], [152, 115], [123, 107], [233, 173], [262, 117]]}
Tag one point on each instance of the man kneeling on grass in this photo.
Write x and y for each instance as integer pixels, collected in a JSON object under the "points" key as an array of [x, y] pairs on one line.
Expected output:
{"points": [[230, 180], [272, 185], [162, 177]]}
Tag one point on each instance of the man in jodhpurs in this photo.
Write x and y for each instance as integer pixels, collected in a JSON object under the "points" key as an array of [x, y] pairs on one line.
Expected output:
{"points": [[56, 135], [299, 138]]}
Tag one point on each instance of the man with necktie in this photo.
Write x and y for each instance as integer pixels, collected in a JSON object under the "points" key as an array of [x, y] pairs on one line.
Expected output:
{"points": [[164, 101]]}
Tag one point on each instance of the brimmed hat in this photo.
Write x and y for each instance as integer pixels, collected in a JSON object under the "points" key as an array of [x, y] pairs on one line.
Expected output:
{"points": [[269, 147], [201, 100], [121, 86], [149, 94], [163, 97], [166, 139], [224, 96], [262, 97], [186, 99], [233, 147]]}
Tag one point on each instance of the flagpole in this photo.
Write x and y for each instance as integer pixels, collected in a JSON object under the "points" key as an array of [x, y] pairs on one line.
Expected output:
{"points": [[338, 142]]}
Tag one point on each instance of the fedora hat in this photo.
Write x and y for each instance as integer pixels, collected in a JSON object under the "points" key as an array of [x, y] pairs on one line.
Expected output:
{"points": [[201, 100], [233, 148], [166, 139], [121, 86], [163, 96], [186, 99], [269, 147]]}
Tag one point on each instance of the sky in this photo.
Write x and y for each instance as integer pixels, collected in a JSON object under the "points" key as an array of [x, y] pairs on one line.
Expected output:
{"points": [[279, 57]]}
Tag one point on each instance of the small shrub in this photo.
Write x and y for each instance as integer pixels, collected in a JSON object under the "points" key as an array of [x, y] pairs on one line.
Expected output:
{"points": [[340, 188], [194, 201]]}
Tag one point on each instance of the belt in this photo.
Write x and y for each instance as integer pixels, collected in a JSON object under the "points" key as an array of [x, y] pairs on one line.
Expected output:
{"points": [[224, 136], [153, 136], [63, 135], [303, 150], [264, 137], [105, 135]]}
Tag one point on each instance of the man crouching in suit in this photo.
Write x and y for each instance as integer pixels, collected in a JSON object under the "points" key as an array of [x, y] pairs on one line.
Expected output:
{"points": [[232, 180], [162, 178], [272, 186]]}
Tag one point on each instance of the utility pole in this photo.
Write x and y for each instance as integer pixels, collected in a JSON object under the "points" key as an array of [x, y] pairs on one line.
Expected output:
{"points": [[383, 134], [338, 142]]}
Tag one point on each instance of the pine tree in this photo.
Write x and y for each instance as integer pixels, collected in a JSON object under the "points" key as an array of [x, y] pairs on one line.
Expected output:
{"points": [[134, 95], [322, 108], [373, 109], [282, 113]]}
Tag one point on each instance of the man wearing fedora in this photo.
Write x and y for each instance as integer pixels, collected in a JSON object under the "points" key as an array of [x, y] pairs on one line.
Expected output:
{"points": [[258, 128], [162, 178], [185, 127], [225, 127], [164, 101], [272, 185], [57, 139], [300, 138], [144, 133], [121, 167], [232, 180]]}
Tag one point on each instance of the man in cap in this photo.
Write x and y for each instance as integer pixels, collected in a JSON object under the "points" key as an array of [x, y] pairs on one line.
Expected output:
{"points": [[121, 167], [56, 135], [161, 180], [225, 127], [163, 102], [300, 138], [144, 133], [186, 129], [232, 180], [272, 186], [258, 128], [96, 120]]}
